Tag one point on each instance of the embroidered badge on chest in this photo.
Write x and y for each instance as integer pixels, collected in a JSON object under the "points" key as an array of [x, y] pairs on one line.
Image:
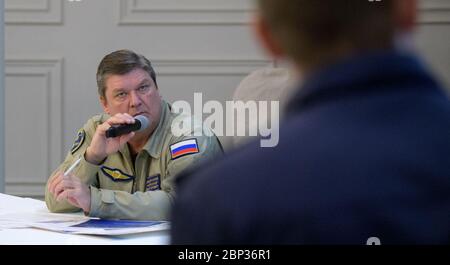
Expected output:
{"points": [[78, 142], [153, 183], [116, 174], [183, 148]]}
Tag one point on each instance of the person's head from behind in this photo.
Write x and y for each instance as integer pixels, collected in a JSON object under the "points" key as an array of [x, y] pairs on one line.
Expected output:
{"points": [[126, 83], [319, 32]]}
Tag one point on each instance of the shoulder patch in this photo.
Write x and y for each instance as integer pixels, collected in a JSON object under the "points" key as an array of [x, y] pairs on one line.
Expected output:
{"points": [[116, 174], [79, 141], [186, 147]]}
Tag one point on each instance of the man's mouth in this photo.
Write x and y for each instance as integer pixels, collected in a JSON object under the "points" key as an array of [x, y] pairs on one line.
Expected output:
{"points": [[140, 113]]}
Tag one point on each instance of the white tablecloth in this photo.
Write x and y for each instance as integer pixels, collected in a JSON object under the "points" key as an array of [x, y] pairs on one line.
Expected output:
{"points": [[15, 205]]}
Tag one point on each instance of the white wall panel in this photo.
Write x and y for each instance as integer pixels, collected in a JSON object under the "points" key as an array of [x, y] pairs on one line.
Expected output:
{"points": [[175, 12], [33, 112], [31, 12], [434, 11]]}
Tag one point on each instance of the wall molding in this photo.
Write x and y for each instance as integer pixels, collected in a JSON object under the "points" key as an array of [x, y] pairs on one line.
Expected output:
{"points": [[51, 71], [28, 190], [133, 12], [434, 12], [45, 12], [169, 67]]}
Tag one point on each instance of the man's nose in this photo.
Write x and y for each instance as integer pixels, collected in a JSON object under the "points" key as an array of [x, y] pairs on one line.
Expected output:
{"points": [[135, 99]]}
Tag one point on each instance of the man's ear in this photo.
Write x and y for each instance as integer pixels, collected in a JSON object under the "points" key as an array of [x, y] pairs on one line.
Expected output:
{"points": [[104, 104], [405, 14], [265, 37]]}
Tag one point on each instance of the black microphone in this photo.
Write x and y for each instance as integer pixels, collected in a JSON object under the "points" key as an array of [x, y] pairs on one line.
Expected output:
{"points": [[141, 122]]}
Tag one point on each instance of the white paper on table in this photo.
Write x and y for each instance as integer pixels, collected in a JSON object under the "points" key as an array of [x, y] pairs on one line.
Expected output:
{"points": [[27, 219], [13, 215], [103, 227], [13, 204]]}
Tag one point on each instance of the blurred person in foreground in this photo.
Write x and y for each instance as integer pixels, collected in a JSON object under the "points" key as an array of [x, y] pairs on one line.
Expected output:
{"points": [[364, 153]]}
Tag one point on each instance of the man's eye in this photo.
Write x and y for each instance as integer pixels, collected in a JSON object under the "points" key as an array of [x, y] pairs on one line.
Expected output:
{"points": [[121, 94], [144, 88]]}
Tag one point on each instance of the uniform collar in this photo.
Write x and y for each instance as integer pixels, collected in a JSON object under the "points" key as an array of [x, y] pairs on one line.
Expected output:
{"points": [[384, 70], [155, 142]]}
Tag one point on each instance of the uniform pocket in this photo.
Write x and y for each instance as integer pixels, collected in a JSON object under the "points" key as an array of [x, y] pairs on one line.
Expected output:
{"points": [[108, 196]]}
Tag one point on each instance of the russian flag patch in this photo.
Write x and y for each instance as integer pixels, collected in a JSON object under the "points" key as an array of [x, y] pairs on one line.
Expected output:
{"points": [[183, 148]]}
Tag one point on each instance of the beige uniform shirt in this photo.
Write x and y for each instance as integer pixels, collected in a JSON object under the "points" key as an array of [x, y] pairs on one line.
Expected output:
{"points": [[121, 189]]}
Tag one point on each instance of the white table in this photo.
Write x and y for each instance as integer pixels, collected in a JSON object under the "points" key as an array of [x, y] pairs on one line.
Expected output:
{"points": [[31, 236]]}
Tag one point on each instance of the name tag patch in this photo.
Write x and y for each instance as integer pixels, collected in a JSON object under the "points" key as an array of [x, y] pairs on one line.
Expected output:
{"points": [[153, 183]]}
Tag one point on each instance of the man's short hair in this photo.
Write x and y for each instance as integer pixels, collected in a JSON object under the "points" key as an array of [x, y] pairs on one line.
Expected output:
{"points": [[310, 31], [121, 62]]}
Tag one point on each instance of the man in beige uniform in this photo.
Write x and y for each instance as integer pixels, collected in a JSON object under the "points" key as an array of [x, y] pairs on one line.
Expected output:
{"points": [[129, 176]]}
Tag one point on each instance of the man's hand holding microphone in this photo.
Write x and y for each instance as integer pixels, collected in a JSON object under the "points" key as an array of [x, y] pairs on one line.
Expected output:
{"points": [[113, 134], [109, 138]]}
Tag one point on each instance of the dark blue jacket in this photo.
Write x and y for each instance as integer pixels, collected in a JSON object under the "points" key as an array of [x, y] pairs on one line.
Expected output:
{"points": [[364, 153]]}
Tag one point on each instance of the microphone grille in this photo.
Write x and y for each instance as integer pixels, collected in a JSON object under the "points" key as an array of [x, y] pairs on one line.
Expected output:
{"points": [[143, 120]]}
